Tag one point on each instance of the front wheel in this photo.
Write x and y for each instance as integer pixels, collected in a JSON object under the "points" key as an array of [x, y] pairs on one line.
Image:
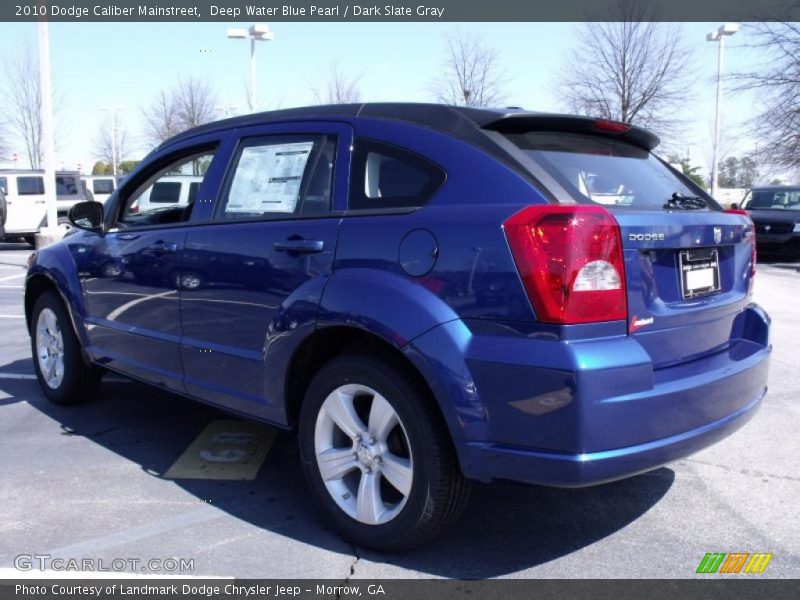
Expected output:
{"points": [[377, 456], [62, 373]]}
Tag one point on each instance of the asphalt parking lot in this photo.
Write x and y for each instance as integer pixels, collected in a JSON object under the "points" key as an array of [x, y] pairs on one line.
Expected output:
{"points": [[92, 482]]}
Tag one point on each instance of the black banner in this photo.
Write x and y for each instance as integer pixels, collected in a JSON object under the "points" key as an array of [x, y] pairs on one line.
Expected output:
{"points": [[713, 587], [394, 10]]}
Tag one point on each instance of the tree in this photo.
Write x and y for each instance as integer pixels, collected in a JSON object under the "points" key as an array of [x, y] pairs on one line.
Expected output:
{"points": [[632, 70], [687, 169], [126, 166], [21, 97], [191, 102], [737, 173], [99, 168], [471, 73], [337, 88], [777, 84], [104, 148]]}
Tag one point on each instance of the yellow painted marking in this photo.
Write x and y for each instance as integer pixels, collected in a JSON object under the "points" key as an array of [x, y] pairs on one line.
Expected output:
{"points": [[230, 450]]}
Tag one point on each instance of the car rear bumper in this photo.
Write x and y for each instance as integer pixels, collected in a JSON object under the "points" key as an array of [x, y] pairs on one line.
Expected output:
{"points": [[788, 244], [579, 470], [585, 412]]}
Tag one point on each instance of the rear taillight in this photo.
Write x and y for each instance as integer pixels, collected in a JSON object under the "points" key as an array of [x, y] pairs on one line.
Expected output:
{"points": [[752, 235], [570, 261]]}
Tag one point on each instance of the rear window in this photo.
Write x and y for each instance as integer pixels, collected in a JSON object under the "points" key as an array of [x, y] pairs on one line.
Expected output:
{"points": [[602, 171], [103, 186], [773, 199], [166, 192], [30, 186]]}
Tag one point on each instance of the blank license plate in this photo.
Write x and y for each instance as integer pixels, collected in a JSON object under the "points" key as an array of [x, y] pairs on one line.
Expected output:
{"points": [[699, 272]]}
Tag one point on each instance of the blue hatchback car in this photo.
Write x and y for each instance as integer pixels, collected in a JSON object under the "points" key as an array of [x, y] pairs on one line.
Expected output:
{"points": [[428, 295]]}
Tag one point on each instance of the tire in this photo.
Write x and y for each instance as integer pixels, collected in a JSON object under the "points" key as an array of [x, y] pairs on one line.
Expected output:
{"points": [[70, 380], [421, 451], [63, 220]]}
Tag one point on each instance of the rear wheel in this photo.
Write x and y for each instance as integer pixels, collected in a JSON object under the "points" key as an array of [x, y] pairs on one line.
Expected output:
{"points": [[62, 373], [377, 456]]}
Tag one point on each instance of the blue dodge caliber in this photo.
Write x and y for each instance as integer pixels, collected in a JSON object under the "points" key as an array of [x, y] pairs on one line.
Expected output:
{"points": [[428, 295]]}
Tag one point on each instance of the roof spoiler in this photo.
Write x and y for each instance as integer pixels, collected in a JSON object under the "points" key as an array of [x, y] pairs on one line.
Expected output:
{"points": [[524, 122]]}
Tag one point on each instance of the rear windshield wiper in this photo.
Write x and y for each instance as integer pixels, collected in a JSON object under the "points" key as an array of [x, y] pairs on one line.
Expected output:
{"points": [[687, 202]]}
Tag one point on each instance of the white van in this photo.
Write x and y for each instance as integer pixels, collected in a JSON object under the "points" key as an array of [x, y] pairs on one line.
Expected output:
{"points": [[168, 191], [25, 199]]}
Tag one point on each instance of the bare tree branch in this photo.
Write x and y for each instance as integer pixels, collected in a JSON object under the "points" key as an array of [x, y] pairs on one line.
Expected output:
{"points": [[103, 147], [191, 102], [471, 73], [632, 70], [336, 88], [777, 83], [21, 99]]}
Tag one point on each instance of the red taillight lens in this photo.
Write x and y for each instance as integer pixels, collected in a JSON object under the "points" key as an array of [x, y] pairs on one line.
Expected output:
{"points": [[570, 260], [752, 234]]}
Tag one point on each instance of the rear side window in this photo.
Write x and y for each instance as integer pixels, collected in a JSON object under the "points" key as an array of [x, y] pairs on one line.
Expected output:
{"points": [[103, 186], [386, 176], [279, 176], [786, 199], [4, 185], [30, 186], [602, 171]]}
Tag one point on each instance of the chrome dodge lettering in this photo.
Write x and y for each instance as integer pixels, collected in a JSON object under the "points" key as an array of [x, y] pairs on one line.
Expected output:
{"points": [[646, 237]]}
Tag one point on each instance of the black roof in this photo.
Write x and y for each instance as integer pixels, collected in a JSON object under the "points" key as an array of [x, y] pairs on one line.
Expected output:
{"points": [[463, 122]]}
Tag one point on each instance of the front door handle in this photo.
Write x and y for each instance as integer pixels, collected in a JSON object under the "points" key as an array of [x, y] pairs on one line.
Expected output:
{"points": [[163, 247], [299, 246]]}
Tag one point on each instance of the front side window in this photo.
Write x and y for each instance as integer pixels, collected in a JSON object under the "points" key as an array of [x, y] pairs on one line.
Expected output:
{"points": [[30, 186], [168, 196], [386, 176], [603, 171], [279, 176], [783, 199]]}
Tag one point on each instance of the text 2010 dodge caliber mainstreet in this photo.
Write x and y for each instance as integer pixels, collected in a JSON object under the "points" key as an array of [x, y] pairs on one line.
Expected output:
{"points": [[429, 295]]}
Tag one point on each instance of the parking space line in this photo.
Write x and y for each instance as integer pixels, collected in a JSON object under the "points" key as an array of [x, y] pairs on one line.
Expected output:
{"points": [[12, 316], [126, 536], [229, 450], [14, 276], [12, 287], [16, 376]]}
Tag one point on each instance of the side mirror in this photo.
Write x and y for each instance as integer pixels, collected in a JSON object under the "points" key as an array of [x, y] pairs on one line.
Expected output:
{"points": [[734, 205], [87, 215]]}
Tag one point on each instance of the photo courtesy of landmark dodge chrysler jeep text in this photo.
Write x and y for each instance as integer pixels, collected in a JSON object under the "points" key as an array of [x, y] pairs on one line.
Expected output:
{"points": [[428, 295]]}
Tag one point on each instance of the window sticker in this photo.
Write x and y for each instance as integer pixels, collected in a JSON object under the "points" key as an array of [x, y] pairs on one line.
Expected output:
{"points": [[268, 178]]}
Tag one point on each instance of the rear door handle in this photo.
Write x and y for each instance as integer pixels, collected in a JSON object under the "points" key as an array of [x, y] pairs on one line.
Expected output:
{"points": [[300, 246]]}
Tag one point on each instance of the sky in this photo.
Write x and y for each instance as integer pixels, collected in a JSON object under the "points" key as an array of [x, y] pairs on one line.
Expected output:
{"points": [[127, 64]]}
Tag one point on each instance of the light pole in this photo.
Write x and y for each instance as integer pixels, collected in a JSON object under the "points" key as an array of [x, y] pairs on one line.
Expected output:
{"points": [[112, 110], [258, 32], [718, 36], [48, 137]]}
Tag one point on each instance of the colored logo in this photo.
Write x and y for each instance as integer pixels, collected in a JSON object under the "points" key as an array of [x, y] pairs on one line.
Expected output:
{"points": [[734, 562]]}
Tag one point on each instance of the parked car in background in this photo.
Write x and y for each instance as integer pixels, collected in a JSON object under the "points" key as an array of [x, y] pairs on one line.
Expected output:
{"points": [[2, 212], [428, 295], [25, 199], [168, 192], [775, 210], [102, 186]]}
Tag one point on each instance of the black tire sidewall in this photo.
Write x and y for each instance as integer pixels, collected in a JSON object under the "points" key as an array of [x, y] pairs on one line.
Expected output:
{"points": [[73, 361], [404, 399]]}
